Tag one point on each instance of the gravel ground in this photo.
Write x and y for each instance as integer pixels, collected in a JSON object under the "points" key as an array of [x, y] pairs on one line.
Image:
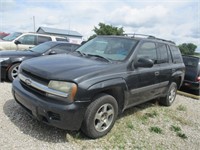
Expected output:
{"points": [[131, 131]]}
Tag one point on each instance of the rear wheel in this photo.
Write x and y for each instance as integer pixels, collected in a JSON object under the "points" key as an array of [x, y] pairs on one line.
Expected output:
{"points": [[100, 116], [171, 95], [13, 71]]}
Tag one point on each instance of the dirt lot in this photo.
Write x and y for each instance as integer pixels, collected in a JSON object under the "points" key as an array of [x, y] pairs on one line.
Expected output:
{"points": [[147, 126]]}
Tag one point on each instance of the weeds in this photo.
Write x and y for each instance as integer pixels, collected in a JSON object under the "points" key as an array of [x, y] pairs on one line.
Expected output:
{"points": [[178, 131], [182, 135], [181, 108], [155, 129], [175, 128]]}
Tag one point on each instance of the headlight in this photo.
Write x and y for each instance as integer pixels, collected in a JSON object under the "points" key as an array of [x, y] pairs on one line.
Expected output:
{"points": [[3, 59], [65, 87]]}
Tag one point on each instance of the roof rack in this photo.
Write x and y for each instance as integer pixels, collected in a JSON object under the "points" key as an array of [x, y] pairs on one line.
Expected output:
{"points": [[132, 35]]}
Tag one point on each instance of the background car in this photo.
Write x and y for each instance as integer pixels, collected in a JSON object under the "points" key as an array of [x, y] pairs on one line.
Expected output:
{"points": [[192, 72], [3, 34], [22, 41], [11, 59]]}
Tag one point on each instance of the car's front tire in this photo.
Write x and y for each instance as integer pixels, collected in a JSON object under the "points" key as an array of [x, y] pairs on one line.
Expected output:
{"points": [[13, 71], [100, 116]]}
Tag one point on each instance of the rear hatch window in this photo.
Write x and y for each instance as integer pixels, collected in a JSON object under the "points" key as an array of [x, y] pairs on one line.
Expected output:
{"points": [[192, 70]]}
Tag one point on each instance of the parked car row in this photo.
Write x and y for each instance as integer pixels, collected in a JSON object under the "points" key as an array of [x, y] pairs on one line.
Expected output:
{"points": [[88, 88]]}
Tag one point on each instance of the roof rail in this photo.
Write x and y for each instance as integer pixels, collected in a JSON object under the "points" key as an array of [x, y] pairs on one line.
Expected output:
{"points": [[147, 36], [135, 34]]}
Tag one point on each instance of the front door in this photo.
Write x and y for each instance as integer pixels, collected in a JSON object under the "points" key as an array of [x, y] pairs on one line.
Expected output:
{"points": [[142, 82]]}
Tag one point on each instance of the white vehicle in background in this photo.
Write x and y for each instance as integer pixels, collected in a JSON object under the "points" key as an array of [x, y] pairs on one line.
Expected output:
{"points": [[22, 41]]}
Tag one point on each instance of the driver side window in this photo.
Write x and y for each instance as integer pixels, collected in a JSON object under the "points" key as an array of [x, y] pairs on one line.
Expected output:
{"points": [[148, 50], [27, 39]]}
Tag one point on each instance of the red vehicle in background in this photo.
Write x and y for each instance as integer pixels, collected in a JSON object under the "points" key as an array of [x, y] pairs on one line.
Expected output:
{"points": [[3, 34]]}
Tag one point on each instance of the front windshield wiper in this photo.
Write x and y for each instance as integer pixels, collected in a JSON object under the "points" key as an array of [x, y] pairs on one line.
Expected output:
{"points": [[99, 56], [82, 54]]}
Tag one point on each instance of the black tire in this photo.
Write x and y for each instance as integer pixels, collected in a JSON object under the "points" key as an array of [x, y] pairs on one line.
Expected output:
{"points": [[12, 72], [171, 95], [100, 116]]}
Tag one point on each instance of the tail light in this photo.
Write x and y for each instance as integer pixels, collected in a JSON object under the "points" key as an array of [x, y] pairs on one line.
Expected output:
{"points": [[198, 78]]}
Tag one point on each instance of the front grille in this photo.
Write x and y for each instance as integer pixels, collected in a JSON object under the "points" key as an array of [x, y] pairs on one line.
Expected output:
{"points": [[35, 77], [32, 89]]}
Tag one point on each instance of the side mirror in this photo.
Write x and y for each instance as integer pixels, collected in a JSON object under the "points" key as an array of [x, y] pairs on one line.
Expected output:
{"points": [[144, 62], [52, 52], [17, 42]]}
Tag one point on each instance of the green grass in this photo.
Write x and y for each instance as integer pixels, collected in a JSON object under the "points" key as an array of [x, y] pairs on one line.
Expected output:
{"points": [[178, 131], [181, 135], [175, 128], [182, 108], [156, 130]]}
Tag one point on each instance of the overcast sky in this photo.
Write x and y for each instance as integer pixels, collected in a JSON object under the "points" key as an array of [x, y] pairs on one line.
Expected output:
{"points": [[177, 20]]}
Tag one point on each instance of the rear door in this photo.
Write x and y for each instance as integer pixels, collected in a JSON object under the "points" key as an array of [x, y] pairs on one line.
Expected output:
{"points": [[165, 64]]}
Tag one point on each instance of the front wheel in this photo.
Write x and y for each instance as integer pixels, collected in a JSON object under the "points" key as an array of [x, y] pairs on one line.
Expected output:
{"points": [[13, 72], [100, 116], [171, 95]]}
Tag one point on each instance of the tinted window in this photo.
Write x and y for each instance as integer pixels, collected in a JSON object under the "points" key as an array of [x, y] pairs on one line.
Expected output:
{"points": [[177, 58], [148, 50], [42, 39], [43, 47], [64, 48], [27, 39], [190, 62], [163, 53]]}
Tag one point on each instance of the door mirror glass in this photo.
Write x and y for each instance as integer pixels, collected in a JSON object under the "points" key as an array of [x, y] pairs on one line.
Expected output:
{"points": [[17, 42], [144, 62]]}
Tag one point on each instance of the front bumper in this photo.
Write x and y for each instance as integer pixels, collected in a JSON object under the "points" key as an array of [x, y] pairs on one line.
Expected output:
{"points": [[53, 112], [3, 70]]}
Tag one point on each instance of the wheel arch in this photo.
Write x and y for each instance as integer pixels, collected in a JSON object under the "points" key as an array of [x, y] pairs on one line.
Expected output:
{"points": [[114, 87]]}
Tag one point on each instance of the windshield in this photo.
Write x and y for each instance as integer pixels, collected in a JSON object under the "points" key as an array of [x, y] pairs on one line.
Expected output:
{"points": [[112, 48], [12, 36], [43, 47]]}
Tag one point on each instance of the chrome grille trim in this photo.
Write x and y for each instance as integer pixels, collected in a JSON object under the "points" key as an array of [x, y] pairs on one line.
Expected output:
{"points": [[40, 87]]}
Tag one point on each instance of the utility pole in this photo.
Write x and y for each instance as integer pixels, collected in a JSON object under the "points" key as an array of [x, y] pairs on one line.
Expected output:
{"points": [[33, 23]]}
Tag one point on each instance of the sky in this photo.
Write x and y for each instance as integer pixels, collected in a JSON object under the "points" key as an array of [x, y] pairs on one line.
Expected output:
{"points": [[176, 20]]}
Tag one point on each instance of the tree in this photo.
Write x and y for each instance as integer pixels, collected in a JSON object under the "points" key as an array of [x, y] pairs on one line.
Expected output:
{"points": [[187, 48], [104, 29]]}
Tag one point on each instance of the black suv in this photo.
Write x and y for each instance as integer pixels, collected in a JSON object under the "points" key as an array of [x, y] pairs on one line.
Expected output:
{"points": [[87, 89]]}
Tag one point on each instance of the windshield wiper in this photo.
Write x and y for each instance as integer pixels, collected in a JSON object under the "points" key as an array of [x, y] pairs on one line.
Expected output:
{"points": [[99, 56], [82, 54]]}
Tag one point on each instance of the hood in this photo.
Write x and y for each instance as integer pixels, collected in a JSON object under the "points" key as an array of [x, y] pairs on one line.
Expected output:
{"points": [[65, 67], [11, 53]]}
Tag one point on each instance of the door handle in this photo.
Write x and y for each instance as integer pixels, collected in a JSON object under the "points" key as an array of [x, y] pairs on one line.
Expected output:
{"points": [[157, 73]]}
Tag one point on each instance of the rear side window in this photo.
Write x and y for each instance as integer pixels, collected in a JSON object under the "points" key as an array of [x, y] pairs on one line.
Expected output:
{"points": [[148, 50], [163, 53], [176, 55], [42, 39]]}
